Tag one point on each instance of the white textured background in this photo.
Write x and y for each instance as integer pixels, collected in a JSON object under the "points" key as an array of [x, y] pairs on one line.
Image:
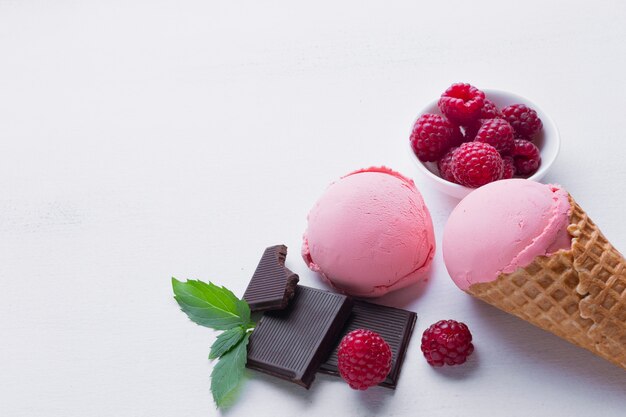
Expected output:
{"points": [[145, 139]]}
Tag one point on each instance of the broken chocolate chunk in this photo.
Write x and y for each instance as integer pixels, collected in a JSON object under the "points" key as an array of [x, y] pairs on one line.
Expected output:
{"points": [[272, 285]]}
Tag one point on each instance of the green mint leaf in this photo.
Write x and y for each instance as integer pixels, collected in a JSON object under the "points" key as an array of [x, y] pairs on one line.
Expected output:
{"points": [[228, 371], [209, 305], [226, 341]]}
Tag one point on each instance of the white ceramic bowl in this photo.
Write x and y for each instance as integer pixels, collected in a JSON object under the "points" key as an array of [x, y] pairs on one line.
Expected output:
{"points": [[548, 141]]}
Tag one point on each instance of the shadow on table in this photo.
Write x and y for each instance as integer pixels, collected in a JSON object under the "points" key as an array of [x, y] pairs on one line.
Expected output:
{"points": [[373, 399], [294, 391]]}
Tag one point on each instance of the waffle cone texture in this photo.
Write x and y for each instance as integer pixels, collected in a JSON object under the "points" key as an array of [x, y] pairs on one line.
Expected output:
{"points": [[578, 294]]}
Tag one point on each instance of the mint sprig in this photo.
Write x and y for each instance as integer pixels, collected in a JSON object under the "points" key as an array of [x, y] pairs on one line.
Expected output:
{"points": [[226, 341], [218, 308], [211, 306], [228, 371]]}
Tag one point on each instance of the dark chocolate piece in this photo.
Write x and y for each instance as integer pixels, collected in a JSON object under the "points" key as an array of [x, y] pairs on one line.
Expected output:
{"points": [[272, 285], [392, 324], [292, 343]]}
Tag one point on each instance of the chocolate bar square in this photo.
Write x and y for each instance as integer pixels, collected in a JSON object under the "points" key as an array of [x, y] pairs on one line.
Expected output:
{"points": [[292, 343], [392, 324]]}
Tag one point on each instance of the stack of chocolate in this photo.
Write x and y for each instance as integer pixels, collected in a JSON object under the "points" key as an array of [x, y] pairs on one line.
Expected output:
{"points": [[301, 327]]}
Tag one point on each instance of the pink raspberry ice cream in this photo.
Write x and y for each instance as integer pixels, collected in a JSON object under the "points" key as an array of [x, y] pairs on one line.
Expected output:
{"points": [[503, 226], [370, 233]]}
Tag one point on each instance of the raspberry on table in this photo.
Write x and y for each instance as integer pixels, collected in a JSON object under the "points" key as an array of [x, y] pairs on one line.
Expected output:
{"points": [[462, 103], [445, 166], [447, 342], [432, 136], [490, 111], [523, 119], [363, 359], [509, 167], [527, 157], [498, 133], [476, 163]]}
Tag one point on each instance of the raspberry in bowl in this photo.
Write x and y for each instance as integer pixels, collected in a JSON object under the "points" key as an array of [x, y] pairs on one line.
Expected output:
{"points": [[448, 166]]}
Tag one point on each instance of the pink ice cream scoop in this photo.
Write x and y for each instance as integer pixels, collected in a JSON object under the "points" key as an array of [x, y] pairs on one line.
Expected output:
{"points": [[370, 233], [503, 226]]}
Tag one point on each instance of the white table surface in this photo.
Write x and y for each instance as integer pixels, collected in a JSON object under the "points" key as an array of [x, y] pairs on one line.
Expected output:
{"points": [[145, 139]]}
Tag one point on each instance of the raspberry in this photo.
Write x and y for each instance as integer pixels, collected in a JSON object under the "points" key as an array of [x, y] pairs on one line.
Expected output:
{"points": [[445, 166], [461, 103], [432, 136], [363, 359], [472, 129], [523, 119], [498, 133], [490, 111], [447, 342], [527, 157], [476, 163], [509, 167]]}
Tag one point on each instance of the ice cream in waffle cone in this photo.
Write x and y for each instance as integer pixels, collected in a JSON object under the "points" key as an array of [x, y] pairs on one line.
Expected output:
{"points": [[543, 260]]}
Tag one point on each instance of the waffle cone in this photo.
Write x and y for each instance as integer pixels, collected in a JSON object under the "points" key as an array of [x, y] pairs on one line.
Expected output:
{"points": [[578, 294]]}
